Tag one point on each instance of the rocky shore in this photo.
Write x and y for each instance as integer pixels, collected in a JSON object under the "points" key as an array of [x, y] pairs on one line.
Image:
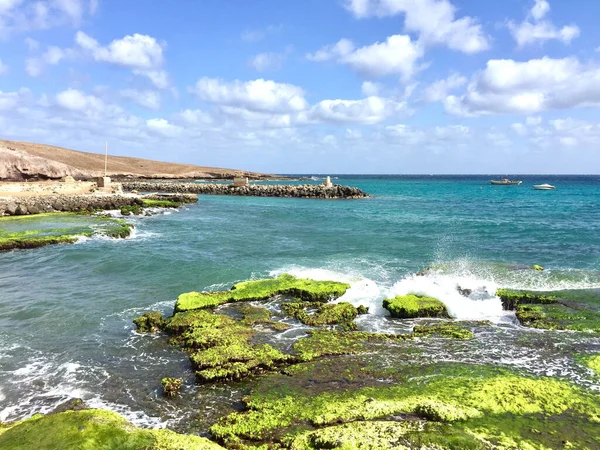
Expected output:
{"points": [[16, 206], [302, 191]]}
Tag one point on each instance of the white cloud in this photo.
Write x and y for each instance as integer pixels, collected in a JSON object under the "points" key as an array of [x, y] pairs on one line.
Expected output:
{"points": [[141, 53], [434, 20], [75, 100], [369, 88], [269, 60], [398, 55], [147, 99], [257, 95], [52, 56], [507, 86], [533, 121], [18, 16], [11, 100], [163, 127], [519, 129], [195, 117], [369, 110], [535, 29], [3, 68], [438, 90], [32, 44], [259, 34]]}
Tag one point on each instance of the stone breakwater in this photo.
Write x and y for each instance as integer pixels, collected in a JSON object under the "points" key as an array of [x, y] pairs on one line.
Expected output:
{"points": [[18, 206], [303, 191]]}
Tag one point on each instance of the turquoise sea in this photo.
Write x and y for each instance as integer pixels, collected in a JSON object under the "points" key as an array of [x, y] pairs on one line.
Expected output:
{"points": [[66, 311]]}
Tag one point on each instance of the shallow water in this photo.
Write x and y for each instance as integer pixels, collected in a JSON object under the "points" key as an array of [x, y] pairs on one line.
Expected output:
{"points": [[66, 311]]}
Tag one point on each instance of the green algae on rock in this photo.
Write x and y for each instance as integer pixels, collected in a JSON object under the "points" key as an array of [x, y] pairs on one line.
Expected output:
{"points": [[342, 314], [445, 329], [171, 386], [592, 362], [92, 429], [558, 317], [150, 322], [258, 315], [301, 288], [329, 342], [411, 306], [32, 231], [511, 298], [487, 408], [219, 346]]}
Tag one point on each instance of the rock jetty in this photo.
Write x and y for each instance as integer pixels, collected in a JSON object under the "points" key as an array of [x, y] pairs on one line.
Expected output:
{"points": [[302, 191], [16, 206]]}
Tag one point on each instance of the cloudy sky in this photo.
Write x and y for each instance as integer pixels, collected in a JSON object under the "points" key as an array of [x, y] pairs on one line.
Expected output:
{"points": [[309, 86]]}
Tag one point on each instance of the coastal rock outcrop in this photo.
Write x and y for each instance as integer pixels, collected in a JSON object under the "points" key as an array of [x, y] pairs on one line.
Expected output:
{"points": [[18, 206], [301, 191]]}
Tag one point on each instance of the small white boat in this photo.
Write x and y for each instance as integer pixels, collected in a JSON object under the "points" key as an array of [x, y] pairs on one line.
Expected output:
{"points": [[543, 187]]}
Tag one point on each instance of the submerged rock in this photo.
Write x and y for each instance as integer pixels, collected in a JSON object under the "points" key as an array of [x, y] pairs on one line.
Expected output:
{"points": [[577, 310], [445, 329], [411, 306]]}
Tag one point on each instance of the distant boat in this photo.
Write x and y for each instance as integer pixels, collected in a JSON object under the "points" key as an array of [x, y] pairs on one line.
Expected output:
{"points": [[543, 187], [505, 182]]}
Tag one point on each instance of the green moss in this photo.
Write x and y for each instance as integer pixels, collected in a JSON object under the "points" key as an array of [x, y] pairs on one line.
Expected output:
{"points": [[150, 322], [558, 317], [445, 329], [161, 203], [593, 362], [92, 429], [38, 230], [131, 209], [329, 342], [385, 435], [171, 386], [342, 314], [220, 346], [512, 298], [537, 267], [410, 306], [258, 315], [496, 408], [302, 288]]}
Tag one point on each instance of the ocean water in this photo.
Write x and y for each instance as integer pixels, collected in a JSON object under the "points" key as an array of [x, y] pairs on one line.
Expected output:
{"points": [[66, 311]]}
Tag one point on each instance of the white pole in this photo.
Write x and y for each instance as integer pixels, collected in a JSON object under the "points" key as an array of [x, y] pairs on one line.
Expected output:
{"points": [[105, 157]]}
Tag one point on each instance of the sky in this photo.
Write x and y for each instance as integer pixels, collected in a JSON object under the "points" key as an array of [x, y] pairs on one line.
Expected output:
{"points": [[309, 86]]}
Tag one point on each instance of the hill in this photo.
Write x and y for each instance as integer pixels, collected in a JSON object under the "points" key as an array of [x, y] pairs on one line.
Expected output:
{"points": [[28, 161]]}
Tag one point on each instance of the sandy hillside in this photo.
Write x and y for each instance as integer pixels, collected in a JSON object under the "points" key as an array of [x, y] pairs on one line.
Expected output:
{"points": [[25, 160]]}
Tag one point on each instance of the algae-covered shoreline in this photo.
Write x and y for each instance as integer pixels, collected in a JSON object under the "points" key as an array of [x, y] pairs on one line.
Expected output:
{"points": [[334, 387]]}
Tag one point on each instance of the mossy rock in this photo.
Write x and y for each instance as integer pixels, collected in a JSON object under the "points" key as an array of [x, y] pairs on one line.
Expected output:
{"points": [[150, 322], [56, 228], [171, 386], [342, 314], [329, 342], [386, 435], [592, 362], [412, 306], [219, 346], [301, 288], [511, 298], [558, 317], [466, 406], [148, 203], [444, 329], [259, 315], [92, 429]]}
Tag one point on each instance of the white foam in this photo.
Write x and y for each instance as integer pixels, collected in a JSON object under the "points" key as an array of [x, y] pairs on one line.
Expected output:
{"points": [[363, 291], [482, 304]]}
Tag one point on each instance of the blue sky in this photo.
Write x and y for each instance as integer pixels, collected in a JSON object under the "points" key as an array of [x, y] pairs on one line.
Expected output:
{"points": [[301, 86]]}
